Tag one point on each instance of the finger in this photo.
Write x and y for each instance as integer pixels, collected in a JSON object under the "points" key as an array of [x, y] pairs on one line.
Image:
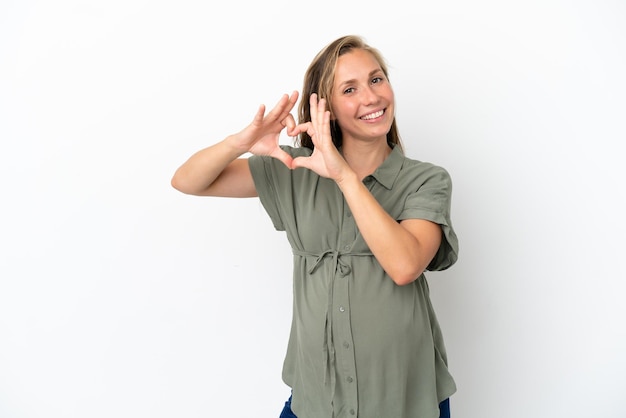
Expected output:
{"points": [[287, 107], [313, 107], [322, 126], [321, 109], [258, 117], [277, 112], [281, 155], [327, 122], [317, 117], [302, 162], [290, 123], [303, 127], [293, 99]]}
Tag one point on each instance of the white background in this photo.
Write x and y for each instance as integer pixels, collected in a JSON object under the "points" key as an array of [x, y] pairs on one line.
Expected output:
{"points": [[121, 297]]}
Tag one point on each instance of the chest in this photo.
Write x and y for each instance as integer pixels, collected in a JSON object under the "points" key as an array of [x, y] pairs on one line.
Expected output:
{"points": [[322, 218]]}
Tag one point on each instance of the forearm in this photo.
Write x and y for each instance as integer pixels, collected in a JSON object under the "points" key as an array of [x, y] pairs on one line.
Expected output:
{"points": [[397, 250], [200, 171]]}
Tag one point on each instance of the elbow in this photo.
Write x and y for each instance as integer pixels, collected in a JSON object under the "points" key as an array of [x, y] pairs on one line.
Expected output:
{"points": [[406, 276], [178, 183], [404, 280]]}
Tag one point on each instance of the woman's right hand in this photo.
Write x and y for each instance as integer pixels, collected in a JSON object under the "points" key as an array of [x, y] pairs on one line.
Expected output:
{"points": [[261, 136]]}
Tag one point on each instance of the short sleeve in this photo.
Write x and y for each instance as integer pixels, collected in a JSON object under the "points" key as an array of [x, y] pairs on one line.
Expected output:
{"points": [[274, 183], [263, 173], [432, 201]]}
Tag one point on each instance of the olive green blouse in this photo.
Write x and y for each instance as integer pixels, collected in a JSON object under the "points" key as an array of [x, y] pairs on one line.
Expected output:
{"points": [[360, 345]]}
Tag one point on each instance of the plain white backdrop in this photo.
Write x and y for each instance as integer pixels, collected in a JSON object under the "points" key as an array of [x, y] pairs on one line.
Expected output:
{"points": [[121, 297]]}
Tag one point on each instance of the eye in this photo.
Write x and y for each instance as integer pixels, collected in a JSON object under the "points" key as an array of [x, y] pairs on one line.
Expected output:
{"points": [[348, 90], [377, 80]]}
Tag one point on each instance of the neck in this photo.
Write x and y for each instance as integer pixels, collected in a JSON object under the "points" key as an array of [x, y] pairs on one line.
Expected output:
{"points": [[365, 157]]}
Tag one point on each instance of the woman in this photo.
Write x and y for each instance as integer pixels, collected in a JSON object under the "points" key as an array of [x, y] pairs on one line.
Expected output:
{"points": [[364, 223]]}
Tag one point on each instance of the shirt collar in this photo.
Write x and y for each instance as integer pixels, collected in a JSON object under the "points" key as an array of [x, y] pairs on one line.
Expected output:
{"points": [[387, 173]]}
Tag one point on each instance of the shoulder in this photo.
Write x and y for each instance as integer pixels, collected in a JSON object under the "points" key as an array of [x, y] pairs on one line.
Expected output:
{"points": [[415, 164], [398, 160], [425, 171]]}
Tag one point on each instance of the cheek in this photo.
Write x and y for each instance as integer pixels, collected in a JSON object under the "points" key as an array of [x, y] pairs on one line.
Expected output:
{"points": [[343, 109], [391, 96]]}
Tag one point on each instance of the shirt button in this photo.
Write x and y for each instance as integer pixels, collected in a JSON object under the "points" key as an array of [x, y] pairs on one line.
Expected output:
{"points": [[349, 379], [346, 344], [342, 309], [352, 412], [347, 247]]}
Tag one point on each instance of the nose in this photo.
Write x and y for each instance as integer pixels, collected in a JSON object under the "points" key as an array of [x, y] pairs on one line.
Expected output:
{"points": [[369, 95]]}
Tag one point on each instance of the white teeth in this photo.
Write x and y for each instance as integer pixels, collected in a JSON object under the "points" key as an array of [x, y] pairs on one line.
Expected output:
{"points": [[373, 115]]}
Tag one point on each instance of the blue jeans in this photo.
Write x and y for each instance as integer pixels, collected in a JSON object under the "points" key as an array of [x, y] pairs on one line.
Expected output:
{"points": [[444, 409]]}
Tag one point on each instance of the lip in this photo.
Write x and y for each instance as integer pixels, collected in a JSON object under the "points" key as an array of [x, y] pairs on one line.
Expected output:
{"points": [[377, 114]]}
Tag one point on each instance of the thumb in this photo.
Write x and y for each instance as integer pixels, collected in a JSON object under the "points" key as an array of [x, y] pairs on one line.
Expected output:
{"points": [[283, 156], [302, 162]]}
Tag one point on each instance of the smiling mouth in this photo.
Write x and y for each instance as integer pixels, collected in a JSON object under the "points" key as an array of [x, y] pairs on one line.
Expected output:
{"points": [[373, 115]]}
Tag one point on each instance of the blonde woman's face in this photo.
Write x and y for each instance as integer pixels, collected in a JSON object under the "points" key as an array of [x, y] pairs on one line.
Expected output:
{"points": [[363, 100]]}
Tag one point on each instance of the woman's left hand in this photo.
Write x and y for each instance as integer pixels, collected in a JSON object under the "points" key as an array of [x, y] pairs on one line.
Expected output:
{"points": [[325, 159]]}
